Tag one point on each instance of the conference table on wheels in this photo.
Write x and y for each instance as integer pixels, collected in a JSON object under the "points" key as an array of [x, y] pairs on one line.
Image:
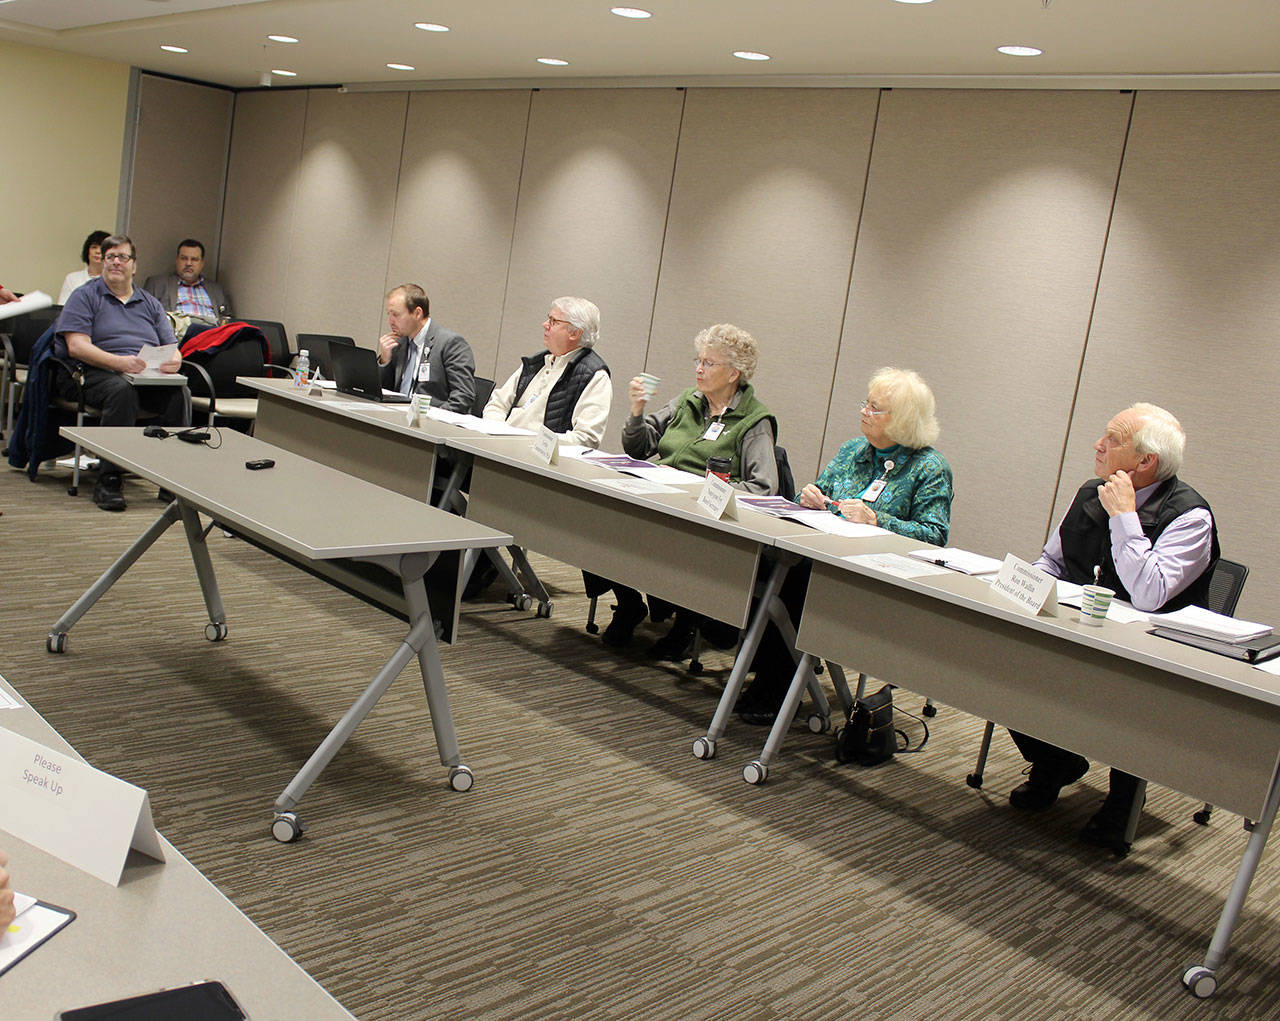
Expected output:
{"points": [[948, 636], [164, 926]]}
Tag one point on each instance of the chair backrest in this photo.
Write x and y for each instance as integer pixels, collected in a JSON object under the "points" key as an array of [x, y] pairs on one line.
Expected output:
{"points": [[786, 480], [277, 339], [241, 356], [484, 390], [317, 347], [1225, 587], [26, 330]]}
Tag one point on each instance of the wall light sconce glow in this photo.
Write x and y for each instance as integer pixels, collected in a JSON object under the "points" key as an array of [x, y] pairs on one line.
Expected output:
{"points": [[553, 61], [751, 55], [1019, 51], [283, 73], [282, 39], [630, 12], [402, 67], [430, 26], [174, 49]]}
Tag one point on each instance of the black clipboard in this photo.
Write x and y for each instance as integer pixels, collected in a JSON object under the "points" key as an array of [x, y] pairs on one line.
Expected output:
{"points": [[68, 916]]}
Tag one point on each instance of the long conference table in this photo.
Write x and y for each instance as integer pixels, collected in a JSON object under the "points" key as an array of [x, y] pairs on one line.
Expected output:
{"points": [[164, 926], [949, 637]]}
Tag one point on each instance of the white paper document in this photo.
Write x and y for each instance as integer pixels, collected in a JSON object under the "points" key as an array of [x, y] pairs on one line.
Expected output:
{"points": [[1196, 620], [895, 564], [641, 487], [959, 560], [825, 521], [31, 302], [664, 473], [156, 355], [476, 424]]}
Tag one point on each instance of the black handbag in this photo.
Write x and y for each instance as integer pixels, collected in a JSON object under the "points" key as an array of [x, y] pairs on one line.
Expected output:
{"points": [[869, 737]]}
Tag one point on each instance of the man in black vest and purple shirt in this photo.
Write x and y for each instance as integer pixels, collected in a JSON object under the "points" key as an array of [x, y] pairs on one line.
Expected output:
{"points": [[1149, 536]]}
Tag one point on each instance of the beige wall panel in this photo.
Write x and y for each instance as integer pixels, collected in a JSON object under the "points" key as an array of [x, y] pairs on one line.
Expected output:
{"points": [[1188, 307], [764, 211], [64, 116], [592, 208], [262, 184], [179, 169], [456, 207], [346, 199], [976, 265]]}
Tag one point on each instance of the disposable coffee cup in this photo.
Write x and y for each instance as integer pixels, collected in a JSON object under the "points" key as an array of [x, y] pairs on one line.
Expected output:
{"points": [[720, 467], [424, 403], [1094, 603], [650, 383]]}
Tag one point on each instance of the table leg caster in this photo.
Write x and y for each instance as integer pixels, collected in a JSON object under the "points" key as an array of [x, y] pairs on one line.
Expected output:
{"points": [[974, 780], [215, 631], [1200, 981], [286, 827], [704, 748], [930, 710], [818, 724], [522, 600], [755, 773], [56, 642], [461, 778], [545, 608]]}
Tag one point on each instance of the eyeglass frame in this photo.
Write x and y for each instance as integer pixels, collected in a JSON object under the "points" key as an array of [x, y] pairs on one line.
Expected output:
{"points": [[707, 363], [871, 409], [118, 257]]}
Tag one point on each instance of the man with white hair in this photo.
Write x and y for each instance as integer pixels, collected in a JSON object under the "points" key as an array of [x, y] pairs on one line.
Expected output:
{"points": [[1140, 530], [566, 388]]}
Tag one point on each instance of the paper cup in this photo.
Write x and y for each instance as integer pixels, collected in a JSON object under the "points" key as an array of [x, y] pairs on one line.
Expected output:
{"points": [[1094, 602], [424, 403], [650, 382]]}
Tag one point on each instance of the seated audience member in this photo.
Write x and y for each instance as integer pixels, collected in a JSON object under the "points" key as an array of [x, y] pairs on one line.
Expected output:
{"points": [[566, 388], [103, 327], [6, 895], [420, 356], [719, 416], [91, 256], [187, 290], [890, 476], [1151, 538]]}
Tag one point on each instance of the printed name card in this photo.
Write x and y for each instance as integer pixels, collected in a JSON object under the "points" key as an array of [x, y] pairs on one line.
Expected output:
{"points": [[88, 818], [546, 446], [717, 498], [412, 415], [1032, 590]]}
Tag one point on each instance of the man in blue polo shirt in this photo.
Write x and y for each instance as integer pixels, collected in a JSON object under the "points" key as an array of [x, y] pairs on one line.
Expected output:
{"points": [[102, 328]]}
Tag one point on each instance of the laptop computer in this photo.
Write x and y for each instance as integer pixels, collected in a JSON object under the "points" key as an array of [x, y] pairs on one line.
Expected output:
{"points": [[355, 372]]}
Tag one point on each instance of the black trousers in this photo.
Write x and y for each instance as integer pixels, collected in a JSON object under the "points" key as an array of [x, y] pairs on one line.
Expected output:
{"points": [[121, 402], [1059, 762]]}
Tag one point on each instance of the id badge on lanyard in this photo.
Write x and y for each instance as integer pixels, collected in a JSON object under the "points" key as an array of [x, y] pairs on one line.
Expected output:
{"points": [[424, 368], [713, 431], [874, 490]]}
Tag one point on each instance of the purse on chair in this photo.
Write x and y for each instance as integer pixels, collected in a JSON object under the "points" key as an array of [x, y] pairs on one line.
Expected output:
{"points": [[869, 737]]}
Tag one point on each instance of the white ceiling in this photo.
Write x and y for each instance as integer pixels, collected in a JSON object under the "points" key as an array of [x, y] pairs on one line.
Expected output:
{"points": [[1186, 43]]}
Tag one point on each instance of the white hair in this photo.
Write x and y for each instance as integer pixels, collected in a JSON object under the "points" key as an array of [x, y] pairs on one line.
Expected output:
{"points": [[912, 421], [1159, 433], [583, 316]]}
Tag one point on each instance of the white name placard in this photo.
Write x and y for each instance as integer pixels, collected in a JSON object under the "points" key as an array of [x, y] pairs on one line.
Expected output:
{"points": [[717, 498], [412, 416], [546, 446], [88, 818], [1030, 589]]}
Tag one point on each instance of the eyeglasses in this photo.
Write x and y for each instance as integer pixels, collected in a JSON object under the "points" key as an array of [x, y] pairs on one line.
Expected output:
{"points": [[705, 363], [117, 257], [871, 409], [553, 320]]}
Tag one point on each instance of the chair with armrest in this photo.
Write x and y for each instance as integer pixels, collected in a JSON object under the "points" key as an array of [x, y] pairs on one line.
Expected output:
{"points": [[277, 340], [25, 330], [245, 354], [317, 347]]}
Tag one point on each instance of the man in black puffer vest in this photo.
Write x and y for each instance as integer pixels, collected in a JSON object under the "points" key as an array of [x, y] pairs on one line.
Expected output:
{"points": [[567, 387], [1143, 532]]}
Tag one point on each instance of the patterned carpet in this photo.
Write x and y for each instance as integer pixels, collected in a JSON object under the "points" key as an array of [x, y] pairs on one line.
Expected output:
{"points": [[597, 870]]}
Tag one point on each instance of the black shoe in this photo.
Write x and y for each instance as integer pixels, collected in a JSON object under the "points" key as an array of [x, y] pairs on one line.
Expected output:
{"points": [[758, 717], [108, 493], [1106, 828], [626, 618], [164, 496], [1043, 787], [676, 644]]}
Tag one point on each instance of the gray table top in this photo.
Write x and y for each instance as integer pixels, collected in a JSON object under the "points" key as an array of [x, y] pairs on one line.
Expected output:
{"points": [[165, 925], [308, 508]]}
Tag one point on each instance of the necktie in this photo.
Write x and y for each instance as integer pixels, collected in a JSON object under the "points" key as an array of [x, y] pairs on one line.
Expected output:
{"points": [[410, 369]]}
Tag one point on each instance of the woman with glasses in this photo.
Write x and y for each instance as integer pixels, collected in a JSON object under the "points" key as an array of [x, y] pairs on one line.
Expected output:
{"points": [[91, 256], [718, 417], [889, 476]]}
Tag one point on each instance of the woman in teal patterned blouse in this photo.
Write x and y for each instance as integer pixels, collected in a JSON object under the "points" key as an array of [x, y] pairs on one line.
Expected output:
{"points": [[890, 476]]}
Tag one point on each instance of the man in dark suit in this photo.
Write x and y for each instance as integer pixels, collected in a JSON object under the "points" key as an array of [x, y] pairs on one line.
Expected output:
{"points": [[419, 356], [187, 290]]}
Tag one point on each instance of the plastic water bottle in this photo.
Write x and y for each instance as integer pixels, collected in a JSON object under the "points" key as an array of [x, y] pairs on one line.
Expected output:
{"points": [[303, 369]]}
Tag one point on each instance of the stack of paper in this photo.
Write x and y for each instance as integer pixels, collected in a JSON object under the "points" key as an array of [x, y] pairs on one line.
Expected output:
{"points": [[958, 560], [1195, 620]]}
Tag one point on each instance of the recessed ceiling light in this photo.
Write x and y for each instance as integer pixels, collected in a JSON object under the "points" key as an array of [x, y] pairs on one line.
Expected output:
{"points": [[283, 73], [553, 61], [282, 39], [174, 49], [750, 55], [915, 1], [428, 26], [402, 67], [630, 12], [1020, 51]]}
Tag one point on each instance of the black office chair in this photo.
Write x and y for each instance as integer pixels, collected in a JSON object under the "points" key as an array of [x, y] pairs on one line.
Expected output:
{"points": [[277, 340], [25, 330], [317, 347], [484, 390]]}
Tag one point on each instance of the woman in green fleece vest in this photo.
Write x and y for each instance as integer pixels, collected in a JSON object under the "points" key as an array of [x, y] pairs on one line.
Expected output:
{"points": [[719, 416]]}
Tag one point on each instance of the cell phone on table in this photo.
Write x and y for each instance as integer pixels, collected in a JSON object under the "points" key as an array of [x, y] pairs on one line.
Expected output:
{"points": [[200, 1001], [259, 464]]}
